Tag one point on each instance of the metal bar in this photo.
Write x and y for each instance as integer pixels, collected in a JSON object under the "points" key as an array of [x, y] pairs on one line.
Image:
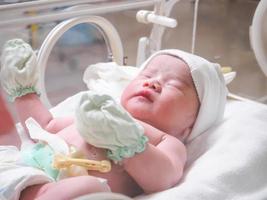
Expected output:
{"points": [[43, 4], [61, 15]]}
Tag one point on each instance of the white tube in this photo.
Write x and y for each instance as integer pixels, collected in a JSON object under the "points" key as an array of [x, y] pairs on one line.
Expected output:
{"points": [[161, 20], [145, 16], [194, 27], [141, 52]]}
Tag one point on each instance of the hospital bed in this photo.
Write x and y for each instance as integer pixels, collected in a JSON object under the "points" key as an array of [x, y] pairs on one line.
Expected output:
{"points": [[226, 162]]}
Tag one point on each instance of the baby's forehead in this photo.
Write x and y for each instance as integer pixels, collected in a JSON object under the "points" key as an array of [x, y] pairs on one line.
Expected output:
{"points": [[167, 63], [171, 65], [165, 58]]}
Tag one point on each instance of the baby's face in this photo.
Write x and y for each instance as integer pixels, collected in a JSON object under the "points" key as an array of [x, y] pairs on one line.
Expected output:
{"points": [[163, 95]]}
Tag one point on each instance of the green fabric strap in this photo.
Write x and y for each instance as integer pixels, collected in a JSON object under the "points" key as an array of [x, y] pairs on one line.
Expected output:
{"points": [[21, 91], [128, 151], [41, 156]]}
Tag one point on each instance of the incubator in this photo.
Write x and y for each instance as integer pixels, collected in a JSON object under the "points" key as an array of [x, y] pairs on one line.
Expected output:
{"points": [[223, 163]]}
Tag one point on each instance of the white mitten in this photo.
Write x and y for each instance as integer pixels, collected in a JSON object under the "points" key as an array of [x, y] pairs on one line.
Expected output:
{"points": [[19, 73], [105, 124]]}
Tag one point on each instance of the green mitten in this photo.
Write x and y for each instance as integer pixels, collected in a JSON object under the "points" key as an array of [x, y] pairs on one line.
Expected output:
{"points": [[18, 73], [105, 124]]}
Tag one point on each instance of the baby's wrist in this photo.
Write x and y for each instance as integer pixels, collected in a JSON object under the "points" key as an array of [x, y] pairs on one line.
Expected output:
{"points": [[21, 91], [121, 153]]}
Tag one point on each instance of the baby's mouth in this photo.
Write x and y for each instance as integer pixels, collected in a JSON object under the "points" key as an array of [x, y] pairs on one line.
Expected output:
{"points": [[145, 94]]}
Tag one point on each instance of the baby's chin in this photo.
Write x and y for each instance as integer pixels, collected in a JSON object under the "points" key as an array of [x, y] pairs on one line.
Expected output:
{"points": [[136, 111]]}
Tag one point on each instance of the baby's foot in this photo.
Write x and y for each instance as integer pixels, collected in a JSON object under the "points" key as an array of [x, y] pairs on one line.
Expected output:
{"points": [[19, 73]]}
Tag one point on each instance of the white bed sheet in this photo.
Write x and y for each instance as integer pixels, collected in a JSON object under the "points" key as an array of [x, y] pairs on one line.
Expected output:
{"points": [[228, 161]]}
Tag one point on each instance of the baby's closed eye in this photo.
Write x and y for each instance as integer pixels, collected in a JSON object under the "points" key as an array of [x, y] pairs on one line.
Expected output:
{"points": [[145, 75], [174, 83]]}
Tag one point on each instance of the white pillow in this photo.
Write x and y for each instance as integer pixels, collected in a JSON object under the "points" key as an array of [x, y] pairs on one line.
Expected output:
{"points": [[228, 161], [103, 78], [109, 78]]}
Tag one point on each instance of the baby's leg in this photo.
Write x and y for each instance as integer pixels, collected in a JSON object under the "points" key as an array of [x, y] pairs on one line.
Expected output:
{"points": [[30, 105], [65, 189]]}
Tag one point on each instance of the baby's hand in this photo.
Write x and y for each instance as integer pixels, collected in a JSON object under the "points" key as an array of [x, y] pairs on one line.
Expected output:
{"points": [[19, 73], [105, 124]]}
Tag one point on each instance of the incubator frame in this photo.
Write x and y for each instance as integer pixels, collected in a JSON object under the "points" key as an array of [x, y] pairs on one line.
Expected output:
{"points": [[110, 34], [84, 11], [257, 35]]}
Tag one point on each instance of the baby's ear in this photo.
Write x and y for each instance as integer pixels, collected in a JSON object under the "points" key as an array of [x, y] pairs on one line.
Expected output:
{"points": [[228, 74]]}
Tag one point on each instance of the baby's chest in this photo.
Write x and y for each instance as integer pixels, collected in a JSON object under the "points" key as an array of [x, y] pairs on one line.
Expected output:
{"points": [[117, 178], [73, 138]]}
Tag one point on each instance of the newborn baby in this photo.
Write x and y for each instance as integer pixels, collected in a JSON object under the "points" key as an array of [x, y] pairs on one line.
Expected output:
{"points": [[175, 97]]}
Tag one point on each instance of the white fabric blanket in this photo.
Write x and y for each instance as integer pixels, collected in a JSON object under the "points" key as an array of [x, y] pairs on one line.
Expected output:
{"points": [[226, 162]]}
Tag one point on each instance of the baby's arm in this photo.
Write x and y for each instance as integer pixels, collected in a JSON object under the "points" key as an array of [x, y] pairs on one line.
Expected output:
{"points": [[105, 124], [19, 76], [161, 165], [30, 105], [8, 134]]}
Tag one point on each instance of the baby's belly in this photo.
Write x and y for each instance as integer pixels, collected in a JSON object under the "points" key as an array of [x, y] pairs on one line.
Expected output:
{"points": [[118, 179]]}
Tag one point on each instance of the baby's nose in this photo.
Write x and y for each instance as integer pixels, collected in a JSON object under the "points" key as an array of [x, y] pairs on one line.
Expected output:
{"points": [[153, 84]]}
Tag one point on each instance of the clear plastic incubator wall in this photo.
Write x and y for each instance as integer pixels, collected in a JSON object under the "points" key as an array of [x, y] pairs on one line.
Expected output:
{"points": [[226, 162]]}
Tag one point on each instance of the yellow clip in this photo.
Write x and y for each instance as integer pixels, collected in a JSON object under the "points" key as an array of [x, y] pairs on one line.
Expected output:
{"points": [[226, 69], [61, 161]]}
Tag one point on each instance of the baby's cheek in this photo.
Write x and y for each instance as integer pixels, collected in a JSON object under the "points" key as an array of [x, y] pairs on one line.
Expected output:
{"points": [[169, 109], [129, 106], [135, 109], [124, 97]]}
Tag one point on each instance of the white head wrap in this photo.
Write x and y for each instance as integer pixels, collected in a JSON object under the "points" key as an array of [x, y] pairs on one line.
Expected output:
{"points": [[210, 86]]}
